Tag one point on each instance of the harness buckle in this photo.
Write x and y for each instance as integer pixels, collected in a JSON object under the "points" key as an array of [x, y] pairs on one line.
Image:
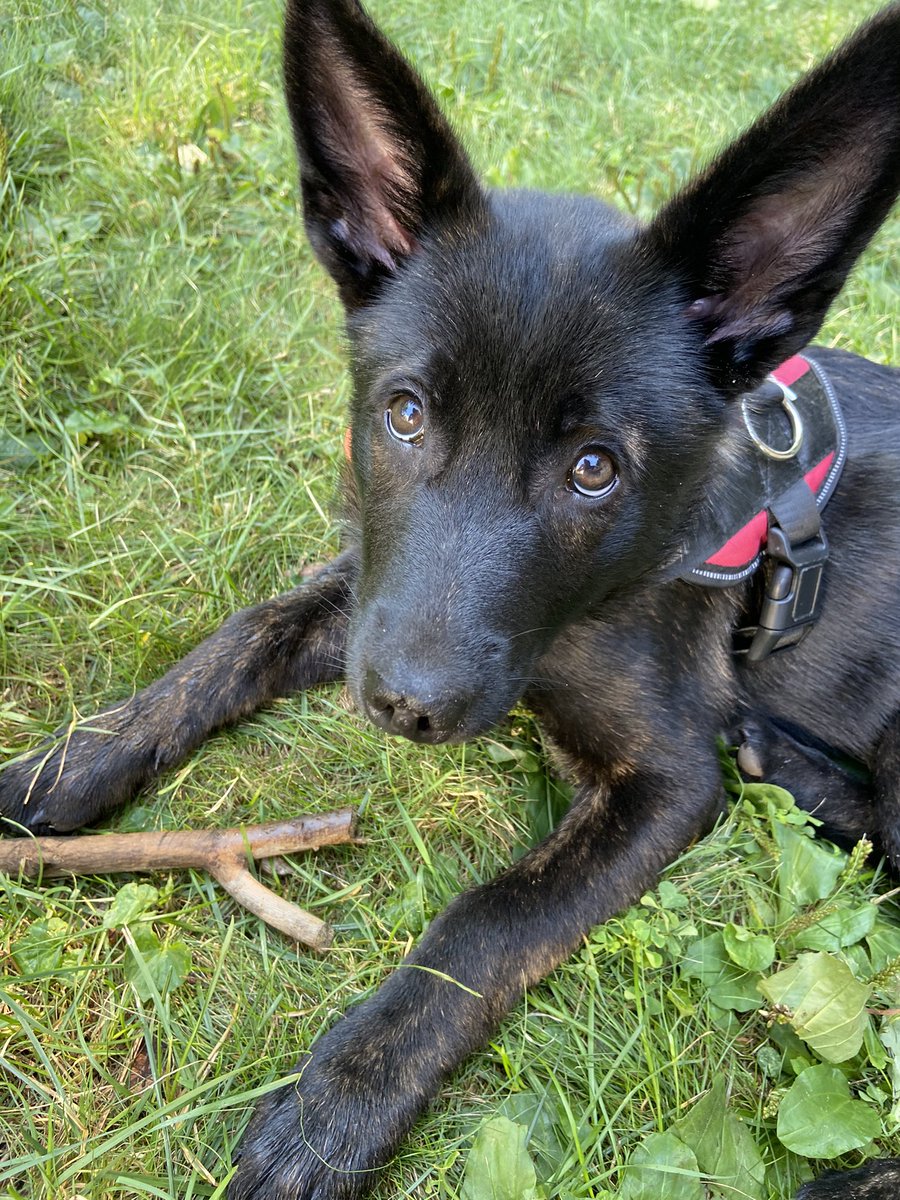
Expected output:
{"points": [[792, 599]]}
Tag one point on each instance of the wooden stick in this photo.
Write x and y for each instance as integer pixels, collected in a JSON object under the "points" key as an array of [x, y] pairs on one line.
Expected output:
{"points": [[221, 852]]}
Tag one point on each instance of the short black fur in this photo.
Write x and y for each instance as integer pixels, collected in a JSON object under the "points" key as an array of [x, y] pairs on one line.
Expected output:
{"points": [[523, 331]]}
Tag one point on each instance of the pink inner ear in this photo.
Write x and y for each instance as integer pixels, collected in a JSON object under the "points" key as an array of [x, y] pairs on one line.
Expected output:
{"points": [[381, 202], [788, 233]]}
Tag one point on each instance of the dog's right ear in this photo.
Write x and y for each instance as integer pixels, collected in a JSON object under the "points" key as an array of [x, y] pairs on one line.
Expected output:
{"points": [[765, 237], [379, 166]]}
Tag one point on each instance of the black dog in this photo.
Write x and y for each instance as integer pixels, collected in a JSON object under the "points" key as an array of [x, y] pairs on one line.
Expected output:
{"points": [[560, 433]]}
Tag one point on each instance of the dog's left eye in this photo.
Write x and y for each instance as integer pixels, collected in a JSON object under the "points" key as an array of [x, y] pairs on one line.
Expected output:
{"points": [[405, 418], [593, 473]]}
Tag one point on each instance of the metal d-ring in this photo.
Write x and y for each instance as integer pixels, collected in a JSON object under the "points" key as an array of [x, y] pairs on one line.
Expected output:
{"points": [[787, 403]]}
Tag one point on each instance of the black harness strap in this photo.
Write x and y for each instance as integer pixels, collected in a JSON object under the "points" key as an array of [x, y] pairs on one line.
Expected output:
{"points": [[768, 514], [795, 556]]}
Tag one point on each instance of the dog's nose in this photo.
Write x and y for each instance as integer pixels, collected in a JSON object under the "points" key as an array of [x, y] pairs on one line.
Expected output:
{"points": [[428, 717]]}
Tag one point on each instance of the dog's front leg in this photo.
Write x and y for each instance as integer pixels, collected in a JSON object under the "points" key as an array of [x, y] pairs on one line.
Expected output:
{"points": [[280, 646], [368, 1079]]}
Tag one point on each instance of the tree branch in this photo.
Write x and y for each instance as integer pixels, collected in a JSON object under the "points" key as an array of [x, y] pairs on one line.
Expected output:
{"points": [[224, 853]]}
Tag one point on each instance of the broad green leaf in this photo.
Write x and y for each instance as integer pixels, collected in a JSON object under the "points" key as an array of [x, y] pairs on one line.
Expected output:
{"points": [[55, 54], [502, 752], [769, 1061], [71, 227], [728, 986], [818, 1118], [670, 897], [890, 1039], [875, 1049], [843, 928], [788, 1043], [857, 959], [542, 1117], [406, 910], [155, 966], [662, 1167], [83, 425], [92, 19], [762, 902], [752, 951], [724, 1149], [141, 817], [20, 451], [499, 1167], [129, 903], [884, 945], [827, 1004], [546, 801], [768, 799], [808, 871], [40, 948]]}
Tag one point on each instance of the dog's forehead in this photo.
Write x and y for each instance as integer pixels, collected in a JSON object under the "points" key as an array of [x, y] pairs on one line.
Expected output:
{"points": [[550, 298]]}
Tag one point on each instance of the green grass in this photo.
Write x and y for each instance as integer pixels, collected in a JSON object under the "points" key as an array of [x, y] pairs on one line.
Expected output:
{"points": [[172, 385]]}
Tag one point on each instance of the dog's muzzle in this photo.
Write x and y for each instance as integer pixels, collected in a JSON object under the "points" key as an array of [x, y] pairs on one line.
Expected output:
{"points": [[429, 716]]}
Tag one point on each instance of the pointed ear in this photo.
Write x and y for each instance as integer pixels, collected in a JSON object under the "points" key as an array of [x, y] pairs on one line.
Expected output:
{"points": [[766, 236], [379, 165]]}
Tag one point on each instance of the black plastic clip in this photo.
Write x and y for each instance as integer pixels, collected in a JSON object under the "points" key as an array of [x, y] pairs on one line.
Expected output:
{"points": [[792, 598]]}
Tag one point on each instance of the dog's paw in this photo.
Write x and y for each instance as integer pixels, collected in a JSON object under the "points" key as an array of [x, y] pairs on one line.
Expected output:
{"points": [[325, 1136], [81, 775], [876, 1180], [312, 1141], [47, 794]]}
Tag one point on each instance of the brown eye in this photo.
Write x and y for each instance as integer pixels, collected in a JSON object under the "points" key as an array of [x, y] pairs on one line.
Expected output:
{"points": [[405, 418], [594, 473]]}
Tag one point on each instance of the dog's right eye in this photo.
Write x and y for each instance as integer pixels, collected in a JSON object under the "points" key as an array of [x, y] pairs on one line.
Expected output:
{"points": [[594, 474], [405, 418]]}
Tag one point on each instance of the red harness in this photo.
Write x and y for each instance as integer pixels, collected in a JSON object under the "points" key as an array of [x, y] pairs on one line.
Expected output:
{"points": [[741, 552], [766, 510]]}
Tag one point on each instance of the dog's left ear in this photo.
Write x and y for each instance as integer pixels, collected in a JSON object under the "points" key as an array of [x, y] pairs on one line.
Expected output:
{"points": [[765, 237], [380, 168]]}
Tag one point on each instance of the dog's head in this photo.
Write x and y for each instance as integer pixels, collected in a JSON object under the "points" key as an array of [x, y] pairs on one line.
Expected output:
{"points": [[543, 389]]}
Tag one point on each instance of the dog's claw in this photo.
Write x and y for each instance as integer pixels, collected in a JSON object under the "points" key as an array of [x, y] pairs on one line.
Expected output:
{"points": [[749, 761]]}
